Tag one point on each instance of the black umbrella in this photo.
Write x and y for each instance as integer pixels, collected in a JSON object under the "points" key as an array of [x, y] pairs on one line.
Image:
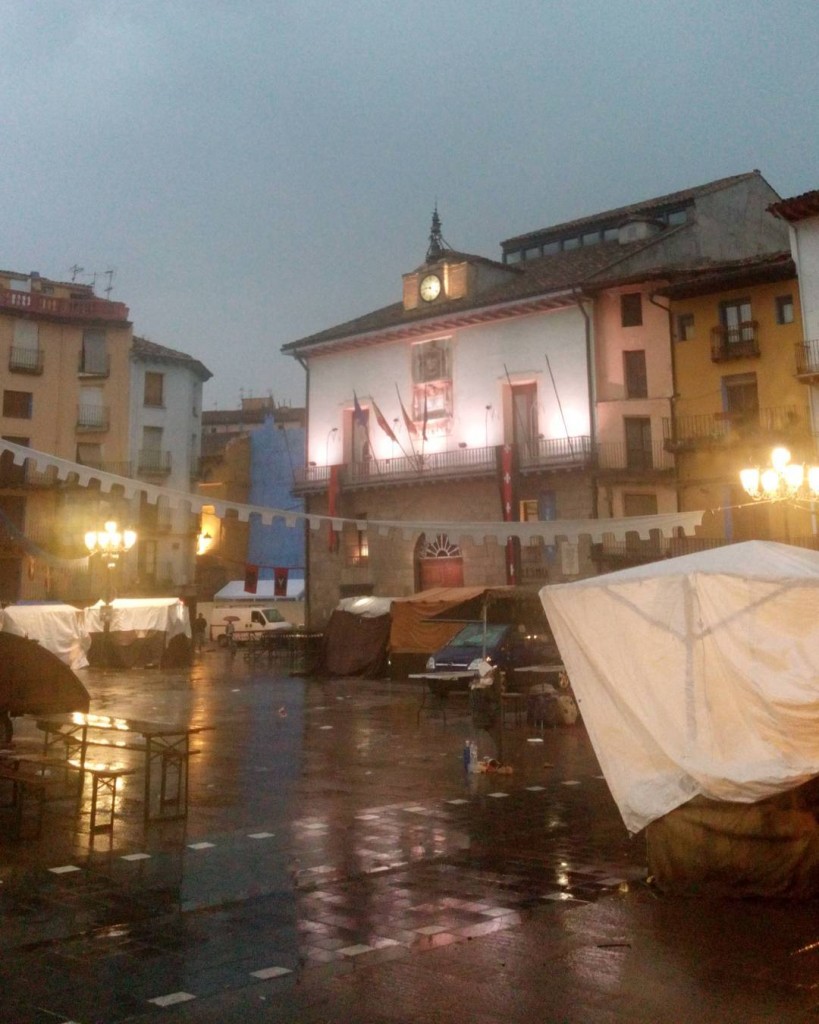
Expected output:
{"points": [[33, 681]]}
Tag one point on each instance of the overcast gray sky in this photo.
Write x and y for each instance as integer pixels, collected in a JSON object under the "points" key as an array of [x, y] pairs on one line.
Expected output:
{"points": [[257, 171]]}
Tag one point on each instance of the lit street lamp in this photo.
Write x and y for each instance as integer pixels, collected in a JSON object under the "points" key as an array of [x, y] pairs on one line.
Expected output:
{"points": [[109, 543], [782, 479]]}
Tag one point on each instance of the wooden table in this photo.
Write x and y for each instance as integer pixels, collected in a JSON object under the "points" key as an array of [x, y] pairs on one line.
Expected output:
{"points": [[166, 747]]}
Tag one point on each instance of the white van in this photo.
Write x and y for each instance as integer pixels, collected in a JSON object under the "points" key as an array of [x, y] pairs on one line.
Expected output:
{"points": [[247, 623]]}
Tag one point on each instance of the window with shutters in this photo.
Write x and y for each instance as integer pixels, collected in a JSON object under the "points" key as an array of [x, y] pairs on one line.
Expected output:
{"points": [[153, 393], [18, 404], [631, 309], [94, 355], [634, 364]]}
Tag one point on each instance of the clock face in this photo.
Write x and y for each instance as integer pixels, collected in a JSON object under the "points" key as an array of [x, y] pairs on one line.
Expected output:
{"points": [[430, 287]]}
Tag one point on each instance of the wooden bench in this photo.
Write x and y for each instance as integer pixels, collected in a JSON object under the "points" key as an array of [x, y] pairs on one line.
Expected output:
{"points": [[104, 779], [26, 785]]}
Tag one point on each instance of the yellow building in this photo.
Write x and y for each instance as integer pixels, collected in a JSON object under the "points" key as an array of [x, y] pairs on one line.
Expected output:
{"points": [[64, 371], [737, 393]]}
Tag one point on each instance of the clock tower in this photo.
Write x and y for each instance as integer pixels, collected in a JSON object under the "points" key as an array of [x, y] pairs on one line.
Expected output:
{"points": [[447, 275]]}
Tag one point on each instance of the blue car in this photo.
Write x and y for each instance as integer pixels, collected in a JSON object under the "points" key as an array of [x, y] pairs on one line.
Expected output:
{"points": [[506, 645]]}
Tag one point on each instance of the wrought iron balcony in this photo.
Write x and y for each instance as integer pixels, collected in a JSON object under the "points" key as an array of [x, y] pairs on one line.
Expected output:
{"points": [[687, 433], [462, 462], [617, 457], [543, 453], [807, 360], [636, 550], [93, 417], [63, 309], [740, 342], [152, 462], [96, 365], [25, 360], [556, 452]]}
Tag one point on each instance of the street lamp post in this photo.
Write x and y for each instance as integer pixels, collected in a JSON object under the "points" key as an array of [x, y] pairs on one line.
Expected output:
{"points": [[109, 543], [781, 479]]}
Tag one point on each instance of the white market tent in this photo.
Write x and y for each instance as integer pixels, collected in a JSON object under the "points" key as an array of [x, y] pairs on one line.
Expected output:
{"points": [[142, 615], [697, 675], [265, 591], [60, 628]]}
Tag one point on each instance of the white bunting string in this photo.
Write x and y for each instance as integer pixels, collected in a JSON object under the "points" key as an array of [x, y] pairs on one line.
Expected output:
{"points": [[549, 532]]}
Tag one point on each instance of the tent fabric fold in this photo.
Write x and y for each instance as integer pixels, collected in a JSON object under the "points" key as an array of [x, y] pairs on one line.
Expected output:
{"points": [[697, 675]]}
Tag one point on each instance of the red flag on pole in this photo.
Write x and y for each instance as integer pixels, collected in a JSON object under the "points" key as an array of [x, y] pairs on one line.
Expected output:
{"points": [[359, 416], [412, 430], [280, 582], [382, 422], [332, 497]]}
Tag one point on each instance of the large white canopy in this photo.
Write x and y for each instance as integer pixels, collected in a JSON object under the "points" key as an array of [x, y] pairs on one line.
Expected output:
{"points": [[697, 675], [166, 615], [60, 628]]}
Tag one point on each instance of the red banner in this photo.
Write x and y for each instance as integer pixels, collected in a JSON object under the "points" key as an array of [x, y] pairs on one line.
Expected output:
{"points": [[280, 582], [251, 578], [508, 480], [332, 499]]}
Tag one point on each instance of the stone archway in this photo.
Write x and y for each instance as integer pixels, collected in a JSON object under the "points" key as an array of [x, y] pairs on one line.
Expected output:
{"points": [[438, 562]]}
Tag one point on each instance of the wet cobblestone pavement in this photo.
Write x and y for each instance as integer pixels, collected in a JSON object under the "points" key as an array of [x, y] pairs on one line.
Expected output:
{"points": [[338, 864]]}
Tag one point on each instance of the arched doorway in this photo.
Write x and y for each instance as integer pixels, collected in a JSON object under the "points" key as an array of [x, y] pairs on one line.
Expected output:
{"points": [[438, 563]]}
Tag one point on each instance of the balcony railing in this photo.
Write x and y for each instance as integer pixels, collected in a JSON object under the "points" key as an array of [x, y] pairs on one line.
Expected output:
{"points": [[540, 454], [740, 342], [96, 365], [617, 456], [74, 309], [807, 359], [26, 360], [702, 431], [117, 468], [547, 452], [93, 417], [636, 550], [153, 463], [434, 465]]}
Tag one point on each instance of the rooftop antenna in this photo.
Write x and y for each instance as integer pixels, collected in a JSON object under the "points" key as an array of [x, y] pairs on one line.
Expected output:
{"points": [[76, 269], [110, 286]]}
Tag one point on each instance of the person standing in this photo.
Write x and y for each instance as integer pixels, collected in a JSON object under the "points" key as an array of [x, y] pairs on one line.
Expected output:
{"points": [[200, 628], [230, 629]]}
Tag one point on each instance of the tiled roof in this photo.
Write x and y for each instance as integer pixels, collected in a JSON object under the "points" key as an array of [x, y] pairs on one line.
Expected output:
{"points": [[551, 278], [797, 207], [622, 213], [150, 350], [555, 274], [734, 274]]}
